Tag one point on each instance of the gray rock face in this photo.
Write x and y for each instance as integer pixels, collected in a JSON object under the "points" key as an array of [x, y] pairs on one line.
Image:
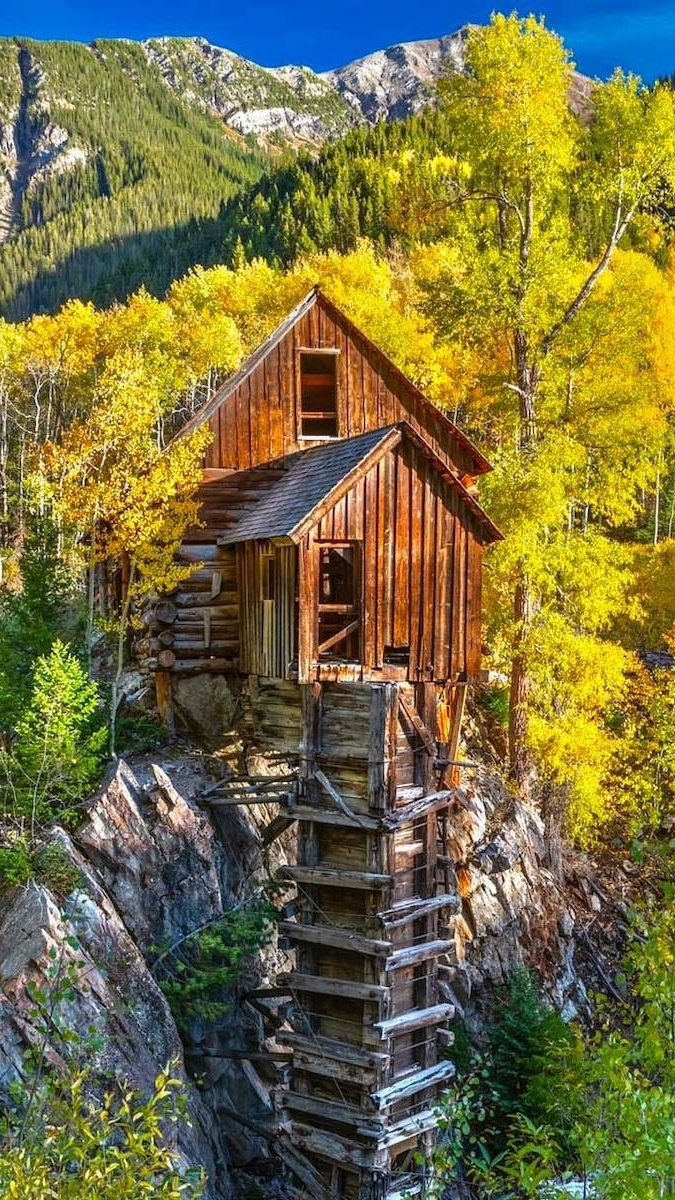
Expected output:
{"points": [[295, 104], [115, 994], [154, 867], [396, 82], [514, 912], [289, 104]]}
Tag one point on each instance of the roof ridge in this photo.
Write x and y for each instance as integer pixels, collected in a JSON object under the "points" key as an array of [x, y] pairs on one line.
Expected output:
{"points": [[252, 360]]}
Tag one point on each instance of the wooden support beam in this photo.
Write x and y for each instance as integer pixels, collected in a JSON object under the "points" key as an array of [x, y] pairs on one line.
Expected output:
{"points": [[314, 1186], [332, 1049], [395, 918], [329, 1146], [416, 1019], [337, 799], [245, 785], [329, 1110], [410, 1127], [418, 725], [410, 956], [255, 1056], [165, 698], [240, 798], [323, 985], [419, 808], [328, 816], [338, 637], [335, 877], [340, 939], [411, 1084], [275, 829], [331, 1068]]}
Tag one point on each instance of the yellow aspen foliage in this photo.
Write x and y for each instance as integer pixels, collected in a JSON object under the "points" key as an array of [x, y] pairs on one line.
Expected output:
{"points": [[113, 481]]}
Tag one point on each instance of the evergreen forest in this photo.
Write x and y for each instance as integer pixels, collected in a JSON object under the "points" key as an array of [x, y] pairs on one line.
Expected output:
{"points": [[136, 199]]}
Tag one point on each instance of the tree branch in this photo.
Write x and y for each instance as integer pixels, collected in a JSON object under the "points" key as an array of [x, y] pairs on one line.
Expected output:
{"points": [[621, 222]]}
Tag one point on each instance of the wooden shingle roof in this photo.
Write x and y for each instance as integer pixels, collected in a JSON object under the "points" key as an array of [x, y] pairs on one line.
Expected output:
{"points": [[284, 498]]}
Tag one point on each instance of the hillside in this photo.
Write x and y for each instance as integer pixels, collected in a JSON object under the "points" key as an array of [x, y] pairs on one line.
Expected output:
{"points": [[116, 158], [88, 203], [348, 191]]}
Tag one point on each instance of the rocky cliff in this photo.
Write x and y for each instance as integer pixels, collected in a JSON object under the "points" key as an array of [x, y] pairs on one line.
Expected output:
{"points": [[156, 862]]}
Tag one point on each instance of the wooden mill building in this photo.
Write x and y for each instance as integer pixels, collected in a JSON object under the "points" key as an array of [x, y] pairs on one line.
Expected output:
{"points": [[339, 579]]}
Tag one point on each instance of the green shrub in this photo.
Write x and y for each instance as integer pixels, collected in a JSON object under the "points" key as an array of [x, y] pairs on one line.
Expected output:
{"points": [[198, 976], [140, 734], [513, 1112], [495, 700], [55, 869], [15, 864], [33, 617], [57, 755], [77, 1148]]}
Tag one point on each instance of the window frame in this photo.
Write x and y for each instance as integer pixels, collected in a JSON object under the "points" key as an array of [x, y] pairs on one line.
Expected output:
{"points": [[327, 351], [353, 610]]}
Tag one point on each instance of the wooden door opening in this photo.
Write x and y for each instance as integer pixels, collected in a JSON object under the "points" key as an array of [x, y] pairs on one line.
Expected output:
{"points": [[339, 602]]}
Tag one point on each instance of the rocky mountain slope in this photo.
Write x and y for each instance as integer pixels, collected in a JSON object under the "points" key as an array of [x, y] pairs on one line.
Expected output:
{"points": [[117, 158], [398, 81]]}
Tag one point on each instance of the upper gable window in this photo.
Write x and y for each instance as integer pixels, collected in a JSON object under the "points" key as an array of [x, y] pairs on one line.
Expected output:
{"points": [[318, 394]]}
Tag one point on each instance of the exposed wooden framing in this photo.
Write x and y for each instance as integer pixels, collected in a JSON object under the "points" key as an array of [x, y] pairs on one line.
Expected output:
{"points": [[405, 915], [323, 985], [417, 1019], [328, 1145], [343, 939], [410, 1127], [334, 877], [410, 956], [338, 637], [303, 1170], [335, 796], [328, 816], [420, 808], [418, 725], [343, 1114], [335, 1051], [412, 1084]]}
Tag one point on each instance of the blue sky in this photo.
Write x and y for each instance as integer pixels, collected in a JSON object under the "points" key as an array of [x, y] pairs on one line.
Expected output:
{"points": [[601, 34]]}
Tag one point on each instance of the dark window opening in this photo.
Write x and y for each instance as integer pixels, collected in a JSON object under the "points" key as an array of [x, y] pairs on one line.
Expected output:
{"points": [[339, 603], [318, 395], [397, 656]]}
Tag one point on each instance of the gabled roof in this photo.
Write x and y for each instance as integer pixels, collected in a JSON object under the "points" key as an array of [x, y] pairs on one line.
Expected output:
{"points": [[287, 497], [313, 297]]}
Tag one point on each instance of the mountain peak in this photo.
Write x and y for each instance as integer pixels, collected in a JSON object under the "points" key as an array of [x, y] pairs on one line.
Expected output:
{"points": [[395, 82]]}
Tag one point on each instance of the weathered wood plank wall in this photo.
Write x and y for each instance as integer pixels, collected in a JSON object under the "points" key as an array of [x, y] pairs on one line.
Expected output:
{"points": [[421, 570], [260, 421]]}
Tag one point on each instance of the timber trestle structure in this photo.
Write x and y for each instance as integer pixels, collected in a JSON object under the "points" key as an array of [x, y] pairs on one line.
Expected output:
{"points": [[368, 922]]}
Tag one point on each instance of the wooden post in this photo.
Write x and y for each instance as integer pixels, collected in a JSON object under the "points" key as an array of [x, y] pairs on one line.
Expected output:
{"points": [[165, 699]]}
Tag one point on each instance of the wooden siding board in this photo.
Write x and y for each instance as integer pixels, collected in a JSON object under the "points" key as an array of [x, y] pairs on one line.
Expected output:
{"points": [[370, 568], [429, 552], [402, 548], [417, 513]]}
